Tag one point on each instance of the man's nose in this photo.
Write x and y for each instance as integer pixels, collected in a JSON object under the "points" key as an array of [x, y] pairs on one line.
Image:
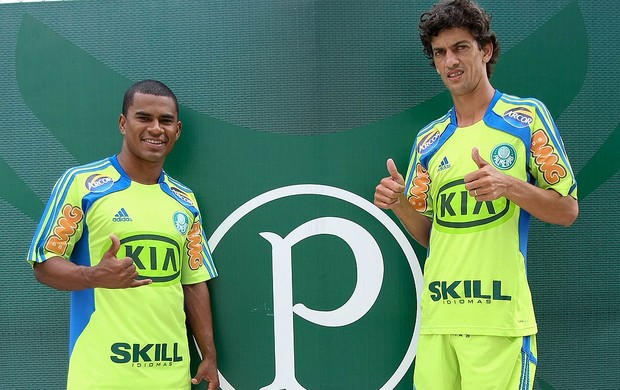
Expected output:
{"points": [[452, 59], [156, 126]]}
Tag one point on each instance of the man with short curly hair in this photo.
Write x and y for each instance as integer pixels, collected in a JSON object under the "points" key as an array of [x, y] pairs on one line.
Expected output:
{"points": [[475, 177]]}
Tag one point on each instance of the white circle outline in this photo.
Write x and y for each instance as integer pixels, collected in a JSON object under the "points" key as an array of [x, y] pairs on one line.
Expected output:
{"points": [[324, 190]]}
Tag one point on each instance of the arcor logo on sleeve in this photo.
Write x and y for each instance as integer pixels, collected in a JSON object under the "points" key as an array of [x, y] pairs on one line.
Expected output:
{"points": [[65, 228], [182, 196], [428, 141], [98, 183], [518, 117]]}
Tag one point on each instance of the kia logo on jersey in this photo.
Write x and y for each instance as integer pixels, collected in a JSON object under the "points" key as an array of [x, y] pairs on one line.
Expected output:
{"points": [[457, 209], [155, 257]]}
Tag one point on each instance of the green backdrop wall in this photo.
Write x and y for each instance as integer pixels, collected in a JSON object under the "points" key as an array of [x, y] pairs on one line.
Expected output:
{"points": [[290, 109]]}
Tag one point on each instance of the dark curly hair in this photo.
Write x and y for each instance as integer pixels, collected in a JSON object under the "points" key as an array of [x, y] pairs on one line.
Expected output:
{"points": [[458, 14]]}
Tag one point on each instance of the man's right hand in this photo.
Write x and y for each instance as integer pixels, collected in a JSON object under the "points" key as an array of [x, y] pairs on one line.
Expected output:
{"points": [[112, 272], [391, 189]]}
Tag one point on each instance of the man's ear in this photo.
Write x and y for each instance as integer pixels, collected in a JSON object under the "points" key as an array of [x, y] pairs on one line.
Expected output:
{"points": [[179, 126], [488, 52], [121, 123]]}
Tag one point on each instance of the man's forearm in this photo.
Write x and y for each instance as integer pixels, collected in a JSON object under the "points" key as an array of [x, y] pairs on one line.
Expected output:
{"points": [[416, 224], [62, 274], [546, 205], [199, 317]]}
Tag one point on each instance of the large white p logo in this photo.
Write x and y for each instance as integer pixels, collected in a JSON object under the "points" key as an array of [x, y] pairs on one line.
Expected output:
{"points": [[369, 262], [369, 273]]}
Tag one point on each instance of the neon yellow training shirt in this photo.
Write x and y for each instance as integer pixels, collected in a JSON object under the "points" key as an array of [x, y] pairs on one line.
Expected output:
{"points": [[136, 337], [475, 279]]}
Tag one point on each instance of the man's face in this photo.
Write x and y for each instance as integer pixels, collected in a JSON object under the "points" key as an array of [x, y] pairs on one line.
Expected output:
{"points": [[459, 60], [150, 128]]}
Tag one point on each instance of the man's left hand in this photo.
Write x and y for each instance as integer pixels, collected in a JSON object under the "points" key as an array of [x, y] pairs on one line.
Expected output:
{"points": [[486, 183], [207, 371]]}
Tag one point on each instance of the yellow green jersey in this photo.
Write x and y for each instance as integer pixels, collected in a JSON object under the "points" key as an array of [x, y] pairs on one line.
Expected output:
{"points": [[132, 338], [475, 279]]}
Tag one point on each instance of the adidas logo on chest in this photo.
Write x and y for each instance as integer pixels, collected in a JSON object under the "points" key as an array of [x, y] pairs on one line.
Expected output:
{"points": [[122, 216], [444, 164]]}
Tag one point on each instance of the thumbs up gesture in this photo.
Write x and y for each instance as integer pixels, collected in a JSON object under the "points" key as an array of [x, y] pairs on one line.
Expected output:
{"points": [[112, 272], [390, 190], [480, 162], [485, 183]]}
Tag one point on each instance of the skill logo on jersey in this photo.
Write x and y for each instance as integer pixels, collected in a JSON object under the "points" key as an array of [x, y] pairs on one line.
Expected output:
{"points": [[182, 196], [428, 141], [65, 229], [463, 292], [156, 257], [181, 222], [458, 212], [546, 159], [519, 117], [98, 183], [504, 156], [147, 355]]}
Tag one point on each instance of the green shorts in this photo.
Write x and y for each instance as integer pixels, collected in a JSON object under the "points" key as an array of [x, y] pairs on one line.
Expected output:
{"points": [[465, 362]]}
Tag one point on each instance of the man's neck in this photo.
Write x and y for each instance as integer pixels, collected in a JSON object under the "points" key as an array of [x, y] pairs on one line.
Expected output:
{"points": [[142, 172], [471, 108]]}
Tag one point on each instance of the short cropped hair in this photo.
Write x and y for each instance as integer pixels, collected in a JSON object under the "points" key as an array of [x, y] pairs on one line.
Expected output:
{"points": [[148, 87], [464, 14]]}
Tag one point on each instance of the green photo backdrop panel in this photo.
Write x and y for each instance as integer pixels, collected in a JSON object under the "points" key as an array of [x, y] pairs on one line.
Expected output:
{"points": [[281, 94]]}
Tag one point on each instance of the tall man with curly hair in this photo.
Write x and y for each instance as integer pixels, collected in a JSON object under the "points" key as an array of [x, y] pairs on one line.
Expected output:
{"points": [[476, 176]]}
